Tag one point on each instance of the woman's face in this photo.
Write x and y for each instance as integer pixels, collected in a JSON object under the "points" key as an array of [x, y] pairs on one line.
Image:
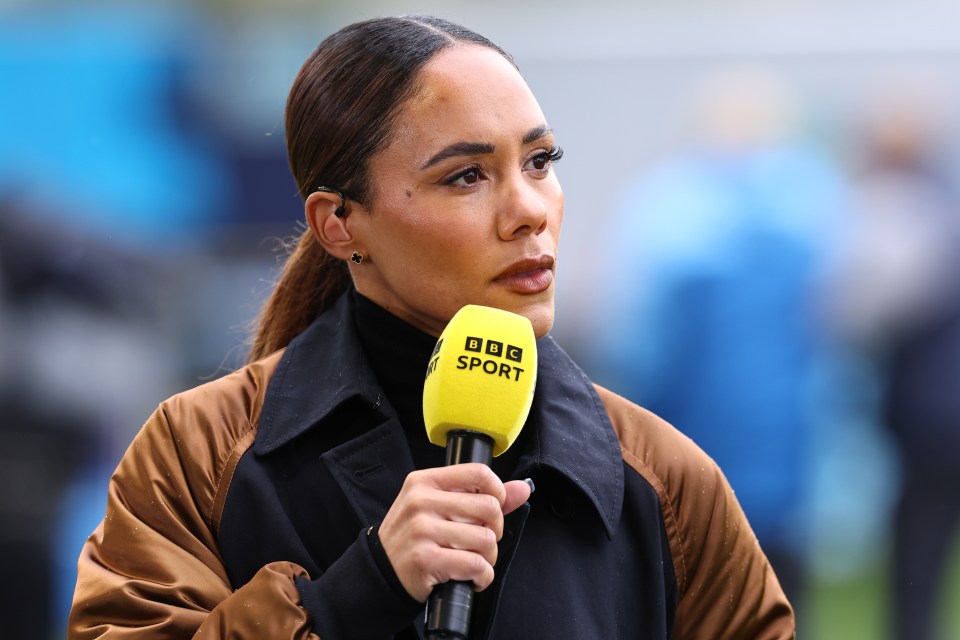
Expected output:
{"points": [[465, 206]]}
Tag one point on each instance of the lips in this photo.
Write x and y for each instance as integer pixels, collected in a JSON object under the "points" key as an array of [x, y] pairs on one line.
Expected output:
{"points": [[530, 275]]}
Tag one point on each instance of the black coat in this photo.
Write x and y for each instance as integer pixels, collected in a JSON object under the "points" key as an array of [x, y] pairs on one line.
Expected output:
{"points": [[631, 533]]}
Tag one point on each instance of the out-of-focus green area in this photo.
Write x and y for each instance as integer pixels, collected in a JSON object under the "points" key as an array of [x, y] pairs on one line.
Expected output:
{"points": [[859, 608]]}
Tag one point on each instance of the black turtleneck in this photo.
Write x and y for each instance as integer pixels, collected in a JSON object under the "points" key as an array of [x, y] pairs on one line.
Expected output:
{"points": [[399, 354]]}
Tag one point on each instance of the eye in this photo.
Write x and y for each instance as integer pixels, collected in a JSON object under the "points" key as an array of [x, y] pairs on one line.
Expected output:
{"points": [[542, 161], [466, 178]]}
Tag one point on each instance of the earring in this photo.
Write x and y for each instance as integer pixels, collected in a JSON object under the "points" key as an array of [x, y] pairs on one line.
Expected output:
{"points": [[339, 211], [357, 257]]}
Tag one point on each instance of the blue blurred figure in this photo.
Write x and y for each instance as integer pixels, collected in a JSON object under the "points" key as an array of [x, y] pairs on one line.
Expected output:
{"points": [[720, 248], [897, 299]]}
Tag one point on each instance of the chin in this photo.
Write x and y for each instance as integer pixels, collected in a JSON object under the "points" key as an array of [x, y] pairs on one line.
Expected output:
{"points": [[540, 316], [539, 310]]}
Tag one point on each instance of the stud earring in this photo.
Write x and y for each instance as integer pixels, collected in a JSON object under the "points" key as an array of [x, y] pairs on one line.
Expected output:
{"points": [[357, 257]]}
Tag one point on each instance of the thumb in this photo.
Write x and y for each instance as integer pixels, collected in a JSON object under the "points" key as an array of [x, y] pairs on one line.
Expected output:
{"points": [[518, 492]]}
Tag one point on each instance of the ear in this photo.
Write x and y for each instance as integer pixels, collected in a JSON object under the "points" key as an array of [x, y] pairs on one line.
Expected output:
{"points": [[332, 231]]}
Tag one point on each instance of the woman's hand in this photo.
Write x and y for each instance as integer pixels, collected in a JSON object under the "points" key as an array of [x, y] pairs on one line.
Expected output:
{"points": [[445, 525]]}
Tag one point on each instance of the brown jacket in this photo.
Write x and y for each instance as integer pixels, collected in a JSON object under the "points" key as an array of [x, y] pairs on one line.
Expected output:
{"points": [[155, 567]]}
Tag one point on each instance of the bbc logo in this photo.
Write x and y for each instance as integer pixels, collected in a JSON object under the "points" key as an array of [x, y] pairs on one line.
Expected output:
{"points": [[494, 348]]}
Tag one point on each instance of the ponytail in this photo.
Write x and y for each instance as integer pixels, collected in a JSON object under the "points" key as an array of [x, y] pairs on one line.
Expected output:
{"points": [[311, 280]]}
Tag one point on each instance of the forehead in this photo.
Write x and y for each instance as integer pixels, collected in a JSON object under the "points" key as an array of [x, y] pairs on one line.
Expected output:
{"points": [[467, 92]]}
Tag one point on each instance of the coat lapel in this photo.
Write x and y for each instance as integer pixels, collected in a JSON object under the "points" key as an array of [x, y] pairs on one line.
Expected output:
{"points": [[370, 469]]}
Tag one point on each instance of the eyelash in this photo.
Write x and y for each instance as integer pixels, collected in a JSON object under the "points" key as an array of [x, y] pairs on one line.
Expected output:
{"points": [[553, 156]]}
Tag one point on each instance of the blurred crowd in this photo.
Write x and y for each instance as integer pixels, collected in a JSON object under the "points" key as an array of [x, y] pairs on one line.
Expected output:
{"points": [[789, 299], [797, 313]]}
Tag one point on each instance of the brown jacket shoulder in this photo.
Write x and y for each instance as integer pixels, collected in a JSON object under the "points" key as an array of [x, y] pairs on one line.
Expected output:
{"points": [[726, 586], [164, 504]]}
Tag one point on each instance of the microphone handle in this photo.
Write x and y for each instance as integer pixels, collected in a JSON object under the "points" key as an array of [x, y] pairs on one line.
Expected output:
{"points": [[465, 446], [451, 603]]}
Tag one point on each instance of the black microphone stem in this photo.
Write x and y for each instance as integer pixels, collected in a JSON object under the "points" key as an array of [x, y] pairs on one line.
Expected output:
{"points": [[469, 446], [450, 604]]}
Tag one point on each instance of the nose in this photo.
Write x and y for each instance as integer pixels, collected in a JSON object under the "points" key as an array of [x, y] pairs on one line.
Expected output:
{"points": [[523, 209]]}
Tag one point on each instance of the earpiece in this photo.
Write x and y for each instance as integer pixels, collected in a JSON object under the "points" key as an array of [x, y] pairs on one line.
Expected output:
{"points": [[341, 210]]}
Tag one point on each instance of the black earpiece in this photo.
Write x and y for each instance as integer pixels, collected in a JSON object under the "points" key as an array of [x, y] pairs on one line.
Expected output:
{"points": [[341, 210]]}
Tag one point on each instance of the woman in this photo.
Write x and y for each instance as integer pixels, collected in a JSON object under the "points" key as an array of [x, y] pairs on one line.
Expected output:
{"points": [[299, 497]]}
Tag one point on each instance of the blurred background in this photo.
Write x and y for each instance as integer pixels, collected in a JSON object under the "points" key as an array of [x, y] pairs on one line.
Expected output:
{"points": [[761, 241]]}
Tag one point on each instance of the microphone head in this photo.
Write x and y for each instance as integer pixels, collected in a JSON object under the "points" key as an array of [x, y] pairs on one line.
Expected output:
{"points": [[481, 376]]}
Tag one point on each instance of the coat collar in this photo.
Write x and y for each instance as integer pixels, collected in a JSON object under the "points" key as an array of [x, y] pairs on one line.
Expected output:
{"points": [[320, 369], [574, 433], [575, 436]]}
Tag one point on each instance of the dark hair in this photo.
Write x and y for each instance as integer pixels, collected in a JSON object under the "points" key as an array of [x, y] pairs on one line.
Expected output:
{"points": [[340, 112]]}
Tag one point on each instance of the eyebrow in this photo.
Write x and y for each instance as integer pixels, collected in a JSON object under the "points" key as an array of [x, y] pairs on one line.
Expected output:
{"points": [[540, 131], [479, 148]]}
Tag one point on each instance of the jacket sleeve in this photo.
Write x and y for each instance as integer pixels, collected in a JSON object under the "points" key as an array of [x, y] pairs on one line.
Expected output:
{"points": [[152, 567], [727, 589], [730, 588]]}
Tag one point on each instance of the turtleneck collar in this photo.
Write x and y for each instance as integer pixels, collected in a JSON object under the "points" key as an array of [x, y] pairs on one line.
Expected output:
{"points": [[398, 353]]}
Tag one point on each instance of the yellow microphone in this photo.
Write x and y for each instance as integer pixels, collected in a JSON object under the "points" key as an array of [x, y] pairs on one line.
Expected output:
{"points": [[481, 377], [477, 394]]}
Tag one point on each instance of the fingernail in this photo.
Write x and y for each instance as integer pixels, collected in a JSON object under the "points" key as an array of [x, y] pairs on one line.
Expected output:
{"points": [[530, 484]]}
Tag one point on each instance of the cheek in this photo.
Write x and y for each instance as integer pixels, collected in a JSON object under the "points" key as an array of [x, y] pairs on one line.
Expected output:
{"points": [[555, 205], [444, 225], [437, 246]]}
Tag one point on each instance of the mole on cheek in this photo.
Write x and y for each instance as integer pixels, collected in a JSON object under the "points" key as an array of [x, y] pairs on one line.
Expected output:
{"points": [[409, 194]]}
